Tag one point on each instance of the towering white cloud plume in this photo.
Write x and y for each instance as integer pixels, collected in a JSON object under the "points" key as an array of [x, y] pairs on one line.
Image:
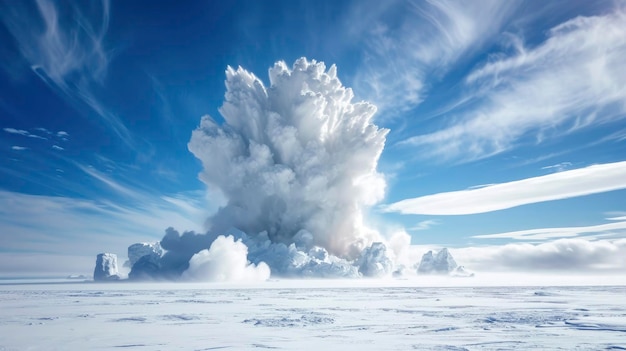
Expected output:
{"points": [[296, 163], [295, 158]]}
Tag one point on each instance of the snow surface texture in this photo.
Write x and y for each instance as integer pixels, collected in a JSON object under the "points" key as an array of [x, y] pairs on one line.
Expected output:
{"points": [[106, 267], [275, 316], [296, 163]]}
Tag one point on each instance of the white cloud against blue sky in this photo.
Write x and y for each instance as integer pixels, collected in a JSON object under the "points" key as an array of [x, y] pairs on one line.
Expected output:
{"points": [[506, 119], [572, 80], [493, 197]]}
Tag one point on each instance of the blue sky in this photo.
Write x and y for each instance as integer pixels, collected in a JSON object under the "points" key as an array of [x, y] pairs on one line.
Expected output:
{"points": [[98, 101]]}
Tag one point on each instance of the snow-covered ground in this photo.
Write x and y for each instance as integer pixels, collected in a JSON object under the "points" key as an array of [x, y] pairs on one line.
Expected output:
{"points": [[312, 315]]}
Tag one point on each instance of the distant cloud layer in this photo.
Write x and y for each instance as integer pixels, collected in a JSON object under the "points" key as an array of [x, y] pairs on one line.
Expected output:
{"points": [[565, 255], [614, 229], [81, 227], [562, 185]]}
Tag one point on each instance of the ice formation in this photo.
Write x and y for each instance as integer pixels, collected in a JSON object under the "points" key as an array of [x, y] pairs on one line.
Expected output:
{"points": [[139, 250], [106, 267], [441, 263], [144, 260], [375, 262]]}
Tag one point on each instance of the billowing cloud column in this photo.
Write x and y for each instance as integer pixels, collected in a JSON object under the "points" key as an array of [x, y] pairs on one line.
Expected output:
{"points": [[296, 159]]}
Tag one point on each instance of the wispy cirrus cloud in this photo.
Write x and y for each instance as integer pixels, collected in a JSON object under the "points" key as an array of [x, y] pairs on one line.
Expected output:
{"points": [[614, 229], [16, 131], [575, 79], [559, 167], [65, 47], [192, 205], [420, 41], [424, 225], [111, 184], [23, 133], [562, 185], [617, 216]]}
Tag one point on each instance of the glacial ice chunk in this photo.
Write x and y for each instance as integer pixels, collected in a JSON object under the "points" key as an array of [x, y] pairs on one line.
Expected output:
{"points": [[106, 267], [441, 263], [374, 261]]}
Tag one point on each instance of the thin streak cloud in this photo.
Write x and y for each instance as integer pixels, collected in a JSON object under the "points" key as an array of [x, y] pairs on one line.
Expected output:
{"points": [[16, 131], [23, 133], [559, 167], [562, 185], [62, 224], [424, 225], [110, 183], [604, 230]]}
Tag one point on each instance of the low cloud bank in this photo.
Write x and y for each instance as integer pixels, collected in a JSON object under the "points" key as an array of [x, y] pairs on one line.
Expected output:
{"points": [[564, 255]]}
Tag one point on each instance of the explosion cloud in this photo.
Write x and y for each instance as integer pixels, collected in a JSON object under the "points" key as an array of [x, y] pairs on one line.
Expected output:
{"points": [[225, 260], [296, 162]]}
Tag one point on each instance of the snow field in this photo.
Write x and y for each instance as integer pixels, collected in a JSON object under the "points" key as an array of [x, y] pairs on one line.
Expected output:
{"points": [[283, 316]]}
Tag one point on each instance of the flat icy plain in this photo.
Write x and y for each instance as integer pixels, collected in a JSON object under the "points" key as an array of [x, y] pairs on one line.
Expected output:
{"points": [[306, 315]]}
